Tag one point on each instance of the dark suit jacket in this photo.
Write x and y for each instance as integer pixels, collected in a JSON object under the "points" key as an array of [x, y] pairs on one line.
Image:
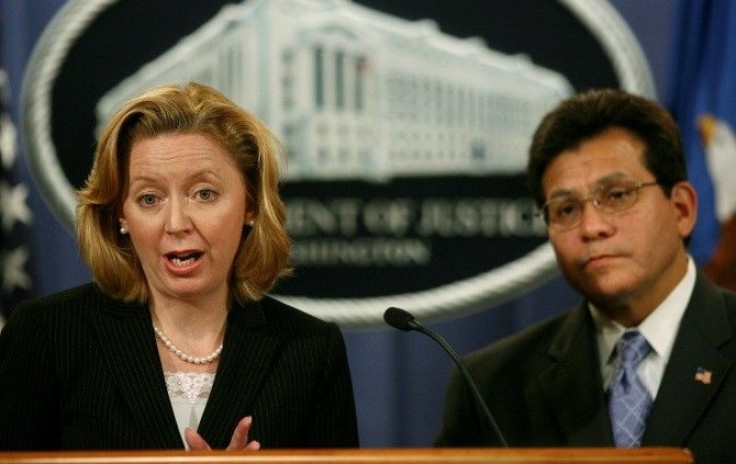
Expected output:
{"points": [[79, 370], [544, 385]]}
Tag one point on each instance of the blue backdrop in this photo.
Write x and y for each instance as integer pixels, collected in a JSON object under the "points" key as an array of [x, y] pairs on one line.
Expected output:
{"points": [[399, 378]]}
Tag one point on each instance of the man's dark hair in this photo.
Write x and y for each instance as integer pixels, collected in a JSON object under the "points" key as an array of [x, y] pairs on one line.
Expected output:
{"points": [[588, 114]]}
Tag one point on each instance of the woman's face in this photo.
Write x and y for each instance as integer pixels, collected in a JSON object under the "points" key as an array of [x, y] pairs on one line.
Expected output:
{"points": [[184, 210]]}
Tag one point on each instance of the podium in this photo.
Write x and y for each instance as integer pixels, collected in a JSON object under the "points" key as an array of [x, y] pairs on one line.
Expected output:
{"points": [[364, 456]]}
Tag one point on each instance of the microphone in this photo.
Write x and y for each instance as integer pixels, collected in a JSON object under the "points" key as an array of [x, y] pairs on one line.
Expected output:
{"points": [[404, 320]]}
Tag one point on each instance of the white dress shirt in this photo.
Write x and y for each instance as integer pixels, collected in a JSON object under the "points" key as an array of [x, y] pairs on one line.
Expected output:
{"points": [[659, 328]]}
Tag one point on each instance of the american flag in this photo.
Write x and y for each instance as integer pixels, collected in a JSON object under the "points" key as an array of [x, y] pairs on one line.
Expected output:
{"points": [[703, 376], [15, 216]]}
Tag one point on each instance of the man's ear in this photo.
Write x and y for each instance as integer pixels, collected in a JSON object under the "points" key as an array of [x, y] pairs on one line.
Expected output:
{"points": [[684, 198]]}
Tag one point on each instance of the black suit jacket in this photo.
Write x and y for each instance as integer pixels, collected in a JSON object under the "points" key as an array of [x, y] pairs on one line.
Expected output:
{"points": [[79, 370], [544, 385]]}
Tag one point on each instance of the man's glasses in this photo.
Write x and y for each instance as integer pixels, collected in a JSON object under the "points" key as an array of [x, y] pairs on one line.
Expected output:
{"points": [[565, 213]]}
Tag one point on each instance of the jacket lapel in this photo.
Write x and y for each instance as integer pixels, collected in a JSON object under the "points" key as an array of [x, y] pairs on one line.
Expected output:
{"points": [[129, 345], [572, 385], [250, 344], [682, 399]]}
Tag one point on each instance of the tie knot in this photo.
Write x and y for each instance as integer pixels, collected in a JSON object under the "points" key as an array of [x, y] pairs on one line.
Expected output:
{"points": [[633, 347]]}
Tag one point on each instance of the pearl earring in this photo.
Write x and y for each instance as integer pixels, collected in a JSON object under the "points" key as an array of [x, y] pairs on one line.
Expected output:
{"points": [[251, 223], [123, 230]]}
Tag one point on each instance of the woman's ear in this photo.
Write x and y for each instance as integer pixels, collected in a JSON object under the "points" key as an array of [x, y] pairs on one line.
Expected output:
{"points": [[249, 219], [123, 226]]}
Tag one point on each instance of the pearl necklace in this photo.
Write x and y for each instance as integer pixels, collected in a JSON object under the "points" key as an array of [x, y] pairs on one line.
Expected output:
{"points": [[185, 356]]}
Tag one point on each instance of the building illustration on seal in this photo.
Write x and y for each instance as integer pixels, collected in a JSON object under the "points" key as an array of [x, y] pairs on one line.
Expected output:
{"points": [[356, 94]]}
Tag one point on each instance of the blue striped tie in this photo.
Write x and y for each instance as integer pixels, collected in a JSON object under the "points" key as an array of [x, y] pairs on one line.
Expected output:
{"points": [[629, 401]]}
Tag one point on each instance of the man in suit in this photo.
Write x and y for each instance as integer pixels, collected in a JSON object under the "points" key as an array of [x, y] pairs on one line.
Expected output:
{"points": [[646, 358]]}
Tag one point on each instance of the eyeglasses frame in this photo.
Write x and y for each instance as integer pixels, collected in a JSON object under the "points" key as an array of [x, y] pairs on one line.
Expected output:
{"points": [[595, 202]]}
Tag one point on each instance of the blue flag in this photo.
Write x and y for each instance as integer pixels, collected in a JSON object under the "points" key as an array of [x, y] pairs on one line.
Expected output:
{"points": [[704, 104], [15, 215]]}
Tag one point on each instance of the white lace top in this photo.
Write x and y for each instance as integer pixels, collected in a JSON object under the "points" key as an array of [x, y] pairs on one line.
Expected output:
{"points": [[188, 392]]}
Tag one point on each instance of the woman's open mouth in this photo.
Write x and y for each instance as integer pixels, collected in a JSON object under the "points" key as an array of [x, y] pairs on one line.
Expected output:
{"points": [[183, 258]]}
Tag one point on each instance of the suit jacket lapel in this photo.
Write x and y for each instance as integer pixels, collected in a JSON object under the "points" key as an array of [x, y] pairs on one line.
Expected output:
{"points": [[682, 399], [128, 343], [572, 385], [250, 347]]}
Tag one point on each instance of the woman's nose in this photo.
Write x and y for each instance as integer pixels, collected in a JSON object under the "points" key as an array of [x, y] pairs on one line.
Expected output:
{"points": [[177, 218]]}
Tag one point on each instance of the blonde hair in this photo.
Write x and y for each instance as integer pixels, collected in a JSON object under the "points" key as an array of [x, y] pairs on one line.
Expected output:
{"points": [[262, 257]]}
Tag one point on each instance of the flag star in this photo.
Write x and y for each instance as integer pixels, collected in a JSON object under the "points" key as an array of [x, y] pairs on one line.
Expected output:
{"points": [[13, 205], [8, 136], [14, 274]]}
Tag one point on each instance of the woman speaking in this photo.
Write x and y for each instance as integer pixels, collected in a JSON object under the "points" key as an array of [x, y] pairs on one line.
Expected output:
{"points": [[175, 343]]}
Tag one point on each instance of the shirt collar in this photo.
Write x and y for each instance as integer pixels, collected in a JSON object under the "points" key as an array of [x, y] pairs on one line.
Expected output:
{"points": [[659, 328]]}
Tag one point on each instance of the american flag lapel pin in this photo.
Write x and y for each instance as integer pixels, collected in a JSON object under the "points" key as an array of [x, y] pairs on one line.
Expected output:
{"points": [[703, 376]]}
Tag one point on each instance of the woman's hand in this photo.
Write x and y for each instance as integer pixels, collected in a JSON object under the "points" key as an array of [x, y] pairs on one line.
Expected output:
{"points": [[239, 442]]}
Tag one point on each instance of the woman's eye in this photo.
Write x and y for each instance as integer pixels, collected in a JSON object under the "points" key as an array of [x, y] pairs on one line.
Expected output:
{"points": [[206, 195], [147, 199]]}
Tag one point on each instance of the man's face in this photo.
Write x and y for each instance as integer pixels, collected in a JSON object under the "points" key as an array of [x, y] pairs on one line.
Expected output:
{"points": [[631, 258]]}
